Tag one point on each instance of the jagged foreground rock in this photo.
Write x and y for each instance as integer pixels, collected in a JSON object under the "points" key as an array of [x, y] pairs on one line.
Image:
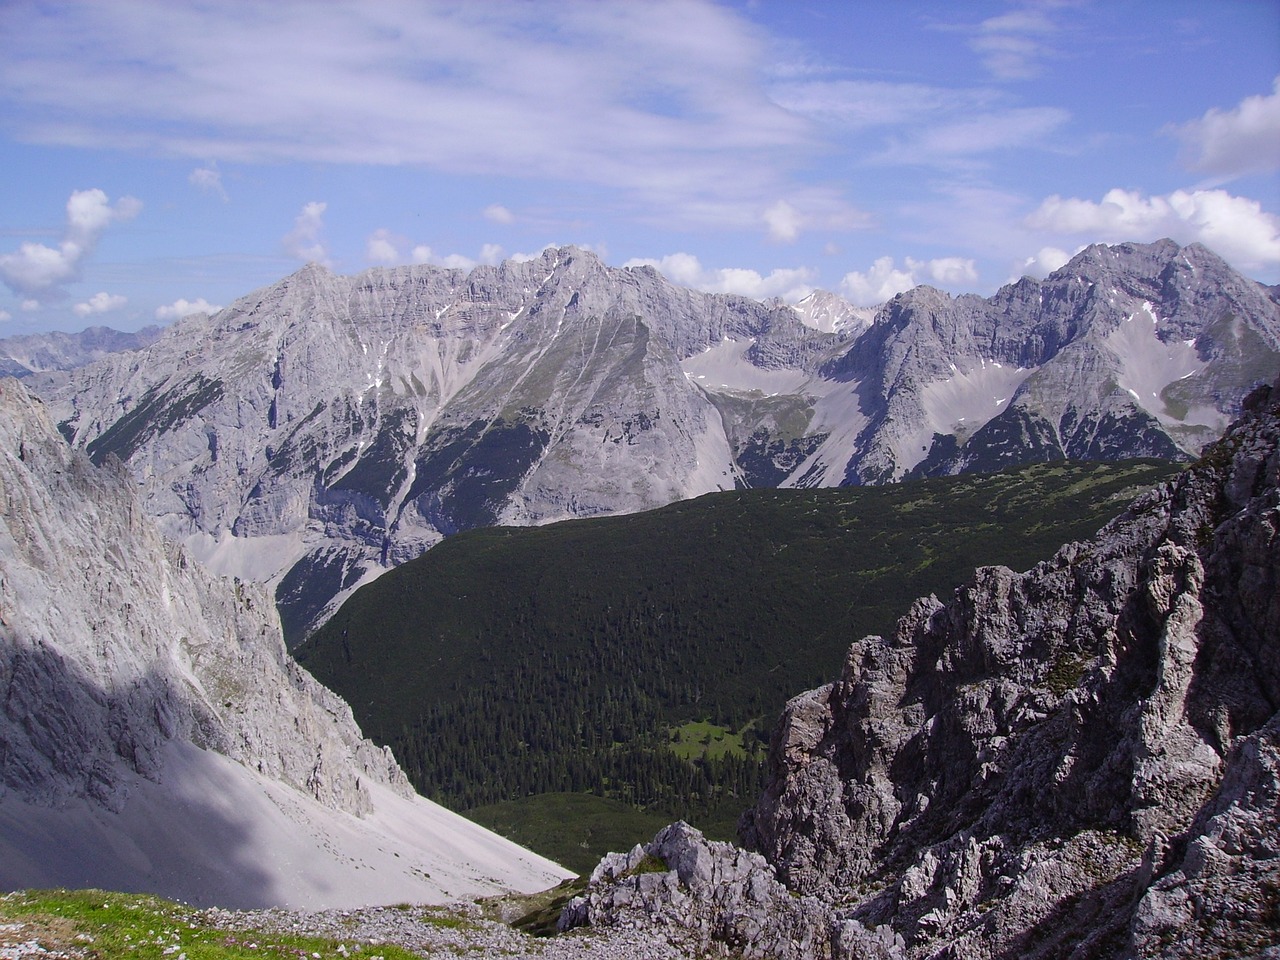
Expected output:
{"points": [[1078, 761], [319, 430], [155, 735]]}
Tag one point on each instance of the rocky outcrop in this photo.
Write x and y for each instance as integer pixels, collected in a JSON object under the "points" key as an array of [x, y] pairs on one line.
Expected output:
{"points": [[115, 643], [320, 430], [151, 719], [1081, 760]]}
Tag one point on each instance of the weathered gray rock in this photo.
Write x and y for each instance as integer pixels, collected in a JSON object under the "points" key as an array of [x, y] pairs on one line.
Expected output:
{"points": [[115, 643], [320, 430], [727, 898], [1081, 760], [155, 735]]}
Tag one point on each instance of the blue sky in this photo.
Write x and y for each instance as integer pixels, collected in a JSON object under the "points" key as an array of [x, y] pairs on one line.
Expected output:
{"points": [[164, 156]]}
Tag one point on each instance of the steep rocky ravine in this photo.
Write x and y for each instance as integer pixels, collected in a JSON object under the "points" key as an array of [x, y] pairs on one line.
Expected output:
{"points": [[1080, 760]]}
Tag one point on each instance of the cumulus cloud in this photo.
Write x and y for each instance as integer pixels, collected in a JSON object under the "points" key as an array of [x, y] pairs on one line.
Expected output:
{"points": [[1045, 262], [99, 303], [1235, 142], [37, 271], [497, 213], [1236, 228], [885, 280], [182, 308], [208, 180], [789, 284], [384, 247], [303, 241]]}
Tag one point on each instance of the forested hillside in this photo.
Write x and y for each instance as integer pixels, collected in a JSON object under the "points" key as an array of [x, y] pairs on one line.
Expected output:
{"points": [[644, 658]]}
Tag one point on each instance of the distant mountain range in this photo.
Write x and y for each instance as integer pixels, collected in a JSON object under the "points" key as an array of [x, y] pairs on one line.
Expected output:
{"points": [[21, 356], [323, 429]]}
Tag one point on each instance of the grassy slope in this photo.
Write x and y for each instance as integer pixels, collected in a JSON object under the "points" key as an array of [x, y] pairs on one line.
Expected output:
{"points": [[502, 648]]}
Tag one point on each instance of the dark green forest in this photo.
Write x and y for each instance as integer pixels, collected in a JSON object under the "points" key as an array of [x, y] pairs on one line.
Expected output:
{"points": [[579, 657]]}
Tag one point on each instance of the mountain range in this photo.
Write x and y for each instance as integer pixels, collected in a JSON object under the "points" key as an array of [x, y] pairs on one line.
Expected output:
{"points": [[323, 429]]}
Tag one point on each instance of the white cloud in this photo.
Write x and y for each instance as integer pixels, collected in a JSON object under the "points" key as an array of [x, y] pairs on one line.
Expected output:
{"points": [[1044, 263], [182, 308], [663, 105], [303, 241], [789, 284], [1011, 45], [1236, 228], [952, 271], [878, 284], [784, 221], [1236, 142], [982, 133], [30, 306], [208, 180], [383, 247], [38, 271], [99, 303], [885, 279], [5, 315], [497, 213]]}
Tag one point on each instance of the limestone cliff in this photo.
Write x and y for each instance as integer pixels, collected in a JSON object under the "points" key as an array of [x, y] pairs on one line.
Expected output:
{"points": [[128, 675], [1080, 760], [320, 430]]}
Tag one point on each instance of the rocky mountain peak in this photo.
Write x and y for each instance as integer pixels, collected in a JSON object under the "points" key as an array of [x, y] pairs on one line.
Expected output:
{"points": [[1079, 760], [324, 428]]}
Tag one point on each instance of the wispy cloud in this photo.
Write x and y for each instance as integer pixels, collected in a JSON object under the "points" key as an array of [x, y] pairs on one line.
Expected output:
{"points": [[1013, 45], [38, 272], [664, 102], [497, 213], [1231, 143], [209, 180]]}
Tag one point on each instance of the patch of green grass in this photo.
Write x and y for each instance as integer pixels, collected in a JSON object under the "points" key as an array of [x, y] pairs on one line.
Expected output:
{"points": [[702, 738], [573, 829], [115, 925], [543, 909], [649, 863]]}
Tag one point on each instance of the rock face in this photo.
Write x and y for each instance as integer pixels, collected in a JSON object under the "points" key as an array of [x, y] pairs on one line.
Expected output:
{"points": [[125, 670], [320, 430], [1081, 760]]}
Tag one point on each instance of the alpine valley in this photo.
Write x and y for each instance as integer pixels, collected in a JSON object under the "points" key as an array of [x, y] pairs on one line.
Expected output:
{"points": [[319, 431], [1078, 760]]}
